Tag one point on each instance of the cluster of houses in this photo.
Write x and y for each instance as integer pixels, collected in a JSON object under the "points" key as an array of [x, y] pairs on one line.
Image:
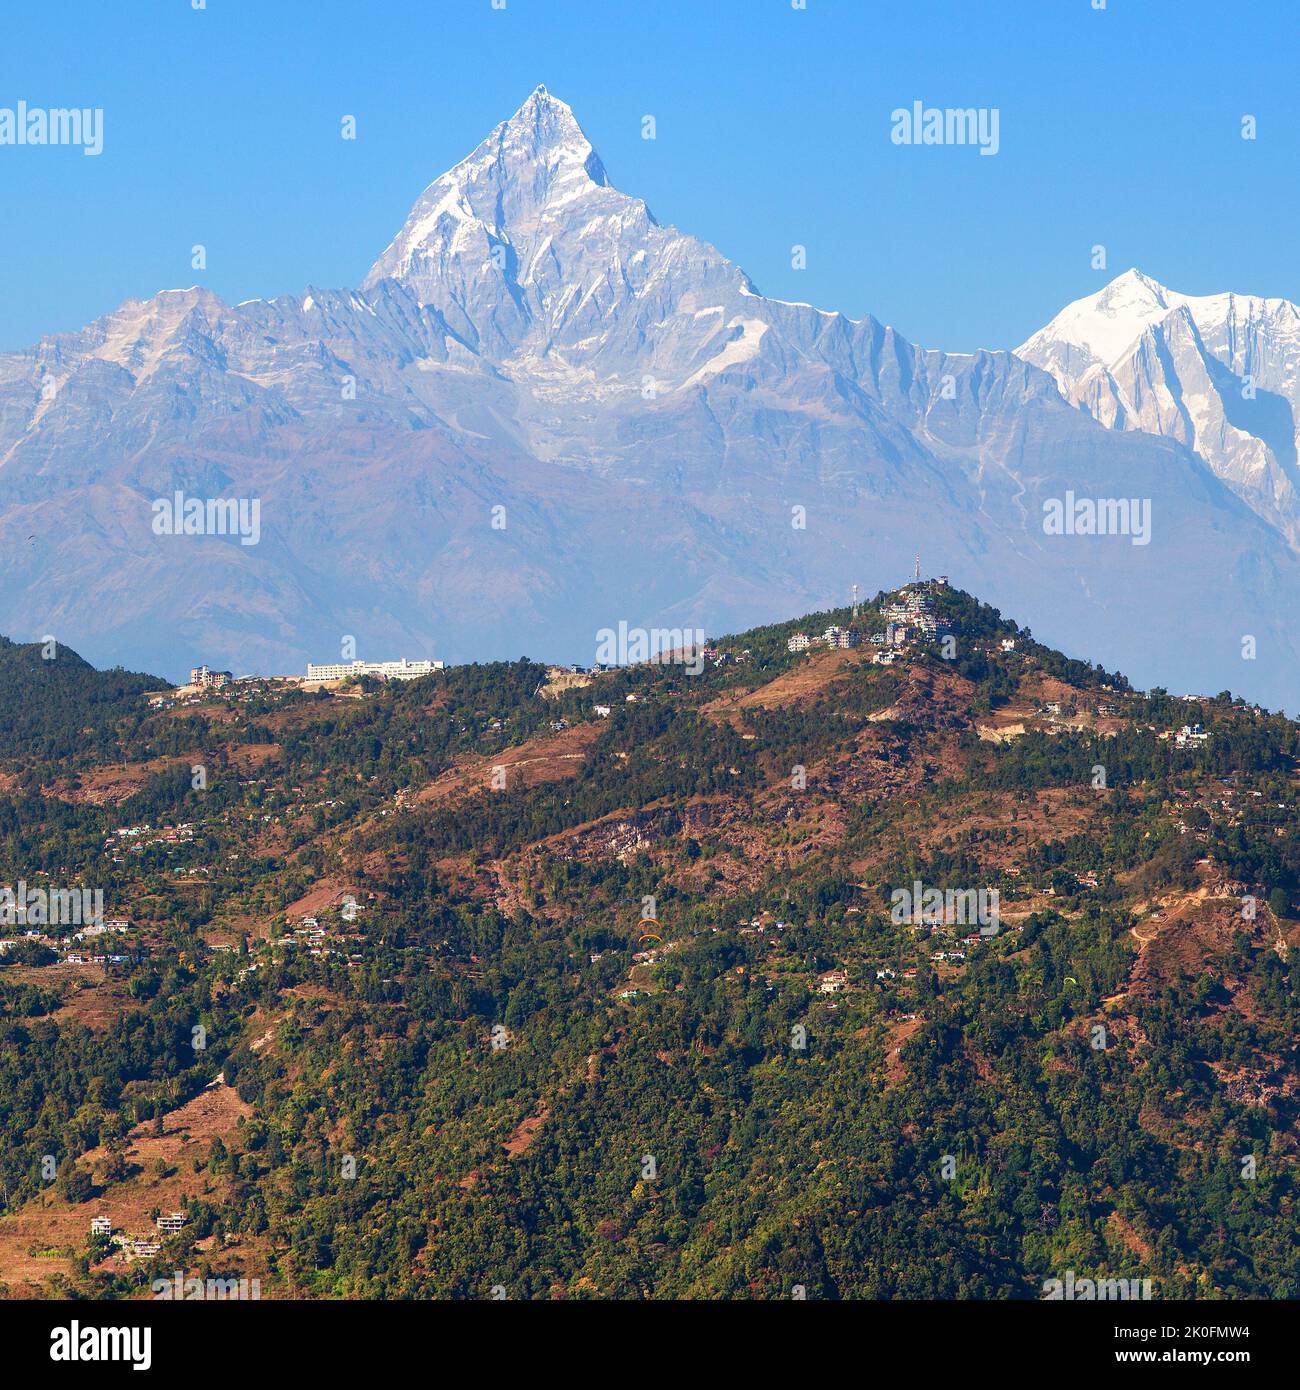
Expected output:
{"points": [[1052, 709], [138, 1247], [1189, 736], [204, 679], [135, 838], [912, 612], [604, 711], [309, 933], [756, 927], [80, 958], [117, 926], [313, 936], [830, 982], [86, 953], [651, 956], [1224, 809], [201, 678], [844, 637], [908, 618], [707, 653], [721, 658]]}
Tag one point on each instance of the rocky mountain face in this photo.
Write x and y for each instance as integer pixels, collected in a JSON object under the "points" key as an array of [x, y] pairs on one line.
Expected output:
{"points": [[543, 413], [1219, 373]]}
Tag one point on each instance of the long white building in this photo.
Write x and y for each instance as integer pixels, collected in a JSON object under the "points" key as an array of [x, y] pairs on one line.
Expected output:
{"points": [[401, 670]]}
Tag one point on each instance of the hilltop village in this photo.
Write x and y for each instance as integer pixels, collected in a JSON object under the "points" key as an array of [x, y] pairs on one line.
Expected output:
{"points": [[909, 617]]}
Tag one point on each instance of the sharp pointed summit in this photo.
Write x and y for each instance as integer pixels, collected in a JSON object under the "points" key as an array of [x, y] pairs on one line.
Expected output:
{"points": [[492, 203], [544, 126], [530, 254]]}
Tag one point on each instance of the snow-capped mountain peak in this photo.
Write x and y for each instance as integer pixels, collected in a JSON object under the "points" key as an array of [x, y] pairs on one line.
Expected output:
{"points": [[1220, 373], [544, 130], [537, 262], [530, 166], [1097, 328]]}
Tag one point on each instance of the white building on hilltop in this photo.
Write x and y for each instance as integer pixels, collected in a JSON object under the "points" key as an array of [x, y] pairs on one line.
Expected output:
{"points": [[401, 670], [206, 679]]}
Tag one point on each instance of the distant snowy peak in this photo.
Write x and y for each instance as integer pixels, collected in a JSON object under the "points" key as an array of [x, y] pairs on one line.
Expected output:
{"points": [[1103, 327], [1097, 329], [1220, 373]]}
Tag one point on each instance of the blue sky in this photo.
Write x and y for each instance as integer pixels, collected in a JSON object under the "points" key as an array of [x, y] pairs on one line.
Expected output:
{"points": [[1119, 127]]}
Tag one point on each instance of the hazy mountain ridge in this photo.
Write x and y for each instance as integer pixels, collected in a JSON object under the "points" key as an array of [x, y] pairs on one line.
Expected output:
{"points": [[535, 340]]}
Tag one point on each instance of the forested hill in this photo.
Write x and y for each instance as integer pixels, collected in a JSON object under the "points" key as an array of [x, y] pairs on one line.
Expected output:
{"points": [[911, 960], [52, 702]]}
